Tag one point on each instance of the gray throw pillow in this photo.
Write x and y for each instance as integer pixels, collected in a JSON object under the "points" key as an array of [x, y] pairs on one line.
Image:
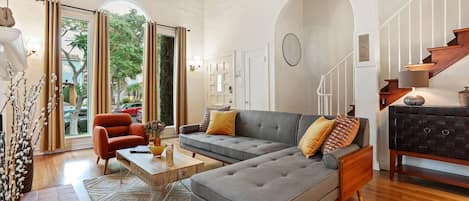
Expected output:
{"points": [[206, 118]]}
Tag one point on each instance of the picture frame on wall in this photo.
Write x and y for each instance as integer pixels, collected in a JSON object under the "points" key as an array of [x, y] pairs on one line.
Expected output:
{"points": [[364, 48]]}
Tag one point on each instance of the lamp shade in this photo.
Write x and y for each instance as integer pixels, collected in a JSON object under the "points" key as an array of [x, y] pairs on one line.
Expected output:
{"points": [[409, 79]]}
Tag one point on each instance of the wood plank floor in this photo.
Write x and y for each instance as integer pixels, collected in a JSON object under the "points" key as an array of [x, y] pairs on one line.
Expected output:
{"points": [[73, 167]]}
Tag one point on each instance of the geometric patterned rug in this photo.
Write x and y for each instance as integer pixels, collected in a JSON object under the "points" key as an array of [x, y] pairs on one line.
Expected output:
{"points": [[109, 188]]}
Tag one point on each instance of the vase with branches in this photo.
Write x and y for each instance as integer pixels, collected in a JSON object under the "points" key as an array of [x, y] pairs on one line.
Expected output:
{"points": [[17, 146], [154, 129]]}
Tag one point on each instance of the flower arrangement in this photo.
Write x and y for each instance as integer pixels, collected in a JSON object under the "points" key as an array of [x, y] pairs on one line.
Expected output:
{"points": [[154, 129], [16, 149]]}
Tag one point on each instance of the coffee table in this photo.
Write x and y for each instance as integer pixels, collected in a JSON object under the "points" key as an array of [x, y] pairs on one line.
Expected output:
{"points": [[155, 172]]}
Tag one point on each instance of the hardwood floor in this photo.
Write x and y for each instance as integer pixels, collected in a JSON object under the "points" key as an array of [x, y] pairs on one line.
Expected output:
{"points": [[73, 167]]}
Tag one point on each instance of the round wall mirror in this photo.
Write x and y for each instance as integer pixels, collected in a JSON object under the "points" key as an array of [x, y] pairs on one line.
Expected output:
{"points": [[291, 48]]}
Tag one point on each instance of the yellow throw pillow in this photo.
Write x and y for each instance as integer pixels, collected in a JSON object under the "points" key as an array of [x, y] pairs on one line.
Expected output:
{"points": [[222, 123], [315, 136]]}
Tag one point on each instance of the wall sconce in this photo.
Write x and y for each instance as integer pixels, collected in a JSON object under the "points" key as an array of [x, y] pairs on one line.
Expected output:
{"points": [[33, 47], [195, 64]]}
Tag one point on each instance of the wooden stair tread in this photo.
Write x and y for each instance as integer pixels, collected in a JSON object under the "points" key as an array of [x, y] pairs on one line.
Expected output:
{"points": [[391, 80], [385, 93], [444, 48], [420, 65], [460, 30]]}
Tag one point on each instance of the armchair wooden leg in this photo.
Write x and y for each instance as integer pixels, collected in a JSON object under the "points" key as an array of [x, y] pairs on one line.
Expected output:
{"points": [[193, 154], [97, 161], [360, 195], [105, 166]]}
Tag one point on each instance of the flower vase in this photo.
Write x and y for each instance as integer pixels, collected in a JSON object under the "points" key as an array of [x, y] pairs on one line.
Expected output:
{"points": [[28, 182], [157, 141]]}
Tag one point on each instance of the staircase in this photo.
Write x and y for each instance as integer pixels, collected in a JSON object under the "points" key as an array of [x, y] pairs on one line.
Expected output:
{"points": [[336, 89], [439, 59]]}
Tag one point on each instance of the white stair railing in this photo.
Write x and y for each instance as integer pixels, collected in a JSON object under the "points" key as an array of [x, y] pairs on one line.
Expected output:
{"points": [[430, 22], [334, 93]]}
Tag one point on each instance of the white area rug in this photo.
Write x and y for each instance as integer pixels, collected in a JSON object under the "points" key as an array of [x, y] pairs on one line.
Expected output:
{"points": [[108, 188]]}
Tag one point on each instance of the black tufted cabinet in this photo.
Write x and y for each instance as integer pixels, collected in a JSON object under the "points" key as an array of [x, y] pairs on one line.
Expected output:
{"points": [[436, 133]]}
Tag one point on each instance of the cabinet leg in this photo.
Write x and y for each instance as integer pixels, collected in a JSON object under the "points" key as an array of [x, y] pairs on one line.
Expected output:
{"points": [[392, 164], [399, 160], [360, 195]]}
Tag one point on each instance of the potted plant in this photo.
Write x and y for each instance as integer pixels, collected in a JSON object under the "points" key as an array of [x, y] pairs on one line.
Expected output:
{"points": [[17, 146]]}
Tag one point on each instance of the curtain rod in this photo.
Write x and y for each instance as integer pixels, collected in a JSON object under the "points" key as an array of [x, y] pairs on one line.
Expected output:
{"points": [[93, 11]]}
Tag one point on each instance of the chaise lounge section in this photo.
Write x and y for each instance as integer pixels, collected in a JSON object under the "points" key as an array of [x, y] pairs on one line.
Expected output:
{"points": [[267, 165]]}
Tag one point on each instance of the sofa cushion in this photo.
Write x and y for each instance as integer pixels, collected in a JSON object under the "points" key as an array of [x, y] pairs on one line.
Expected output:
{"points": [[362, 138], [282, 175], [342, 135], [315, 136], [206, 118], [237, 147], [222, 123], [127, 141], [275, 126]]}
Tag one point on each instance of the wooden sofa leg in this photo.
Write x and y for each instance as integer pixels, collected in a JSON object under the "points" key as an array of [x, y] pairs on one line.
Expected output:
{"points": [[360, 195], [97, 161], [105, 166], [193, 154]]}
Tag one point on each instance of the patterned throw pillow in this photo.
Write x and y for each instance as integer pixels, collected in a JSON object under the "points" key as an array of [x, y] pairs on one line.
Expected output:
{"points": [[206, 119], [342, 135]]}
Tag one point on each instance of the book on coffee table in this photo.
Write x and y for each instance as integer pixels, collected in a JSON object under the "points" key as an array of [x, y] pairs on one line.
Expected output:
{"points": [[140, 150]]}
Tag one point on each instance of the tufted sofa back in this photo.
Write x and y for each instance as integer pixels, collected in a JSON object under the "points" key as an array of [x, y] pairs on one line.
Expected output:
{"points": [[284, 127], [362, 138], [115, 124], [275, 126]]}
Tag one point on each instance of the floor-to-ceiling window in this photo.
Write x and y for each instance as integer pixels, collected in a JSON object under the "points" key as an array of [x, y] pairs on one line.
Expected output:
{"points": [[126, 41], [126, 37], [166, 78], [75, 68]]}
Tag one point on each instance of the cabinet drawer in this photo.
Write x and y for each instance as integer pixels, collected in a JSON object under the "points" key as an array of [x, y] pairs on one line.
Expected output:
{"points": [[446, 136]]}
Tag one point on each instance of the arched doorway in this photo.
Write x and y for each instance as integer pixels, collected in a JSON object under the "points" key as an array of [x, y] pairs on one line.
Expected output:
{"points": [[325, 32]]}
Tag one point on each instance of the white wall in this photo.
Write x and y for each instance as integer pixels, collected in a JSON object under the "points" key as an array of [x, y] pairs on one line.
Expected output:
{"points": [[387, 8], [292, 90], [325, 30], [241, 25], [29, 17]]}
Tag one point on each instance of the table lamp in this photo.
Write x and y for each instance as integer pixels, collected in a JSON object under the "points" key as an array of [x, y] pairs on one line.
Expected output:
{"points": [[413, 79]]}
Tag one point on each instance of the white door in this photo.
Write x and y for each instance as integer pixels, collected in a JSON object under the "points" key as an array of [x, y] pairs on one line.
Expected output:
{"points": [[221, 81], [256, 80]]}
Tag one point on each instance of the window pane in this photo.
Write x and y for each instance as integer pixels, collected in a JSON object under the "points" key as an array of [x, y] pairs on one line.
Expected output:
{"points": [[75, 75], [166, 79], [126, 37]]}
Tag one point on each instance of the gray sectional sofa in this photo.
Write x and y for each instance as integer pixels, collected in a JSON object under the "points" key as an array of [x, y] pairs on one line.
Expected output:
{"points": [[266, 164]]}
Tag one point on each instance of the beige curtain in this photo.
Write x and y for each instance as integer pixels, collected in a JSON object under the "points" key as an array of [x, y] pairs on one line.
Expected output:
{"points": [[150, 101], [101, 75], [181, 85], [53, 134]]}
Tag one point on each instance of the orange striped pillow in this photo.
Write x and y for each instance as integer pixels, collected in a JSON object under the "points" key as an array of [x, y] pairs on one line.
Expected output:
{"points": [[342, 135]]}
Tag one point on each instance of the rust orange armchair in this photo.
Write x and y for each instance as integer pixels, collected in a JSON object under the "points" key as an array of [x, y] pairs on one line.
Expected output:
{"points": [[112, 132]]}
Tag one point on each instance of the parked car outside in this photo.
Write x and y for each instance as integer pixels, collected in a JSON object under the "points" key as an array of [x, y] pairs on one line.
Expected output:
{"points": [[129, 108], [82, 120], [139, 116]]}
